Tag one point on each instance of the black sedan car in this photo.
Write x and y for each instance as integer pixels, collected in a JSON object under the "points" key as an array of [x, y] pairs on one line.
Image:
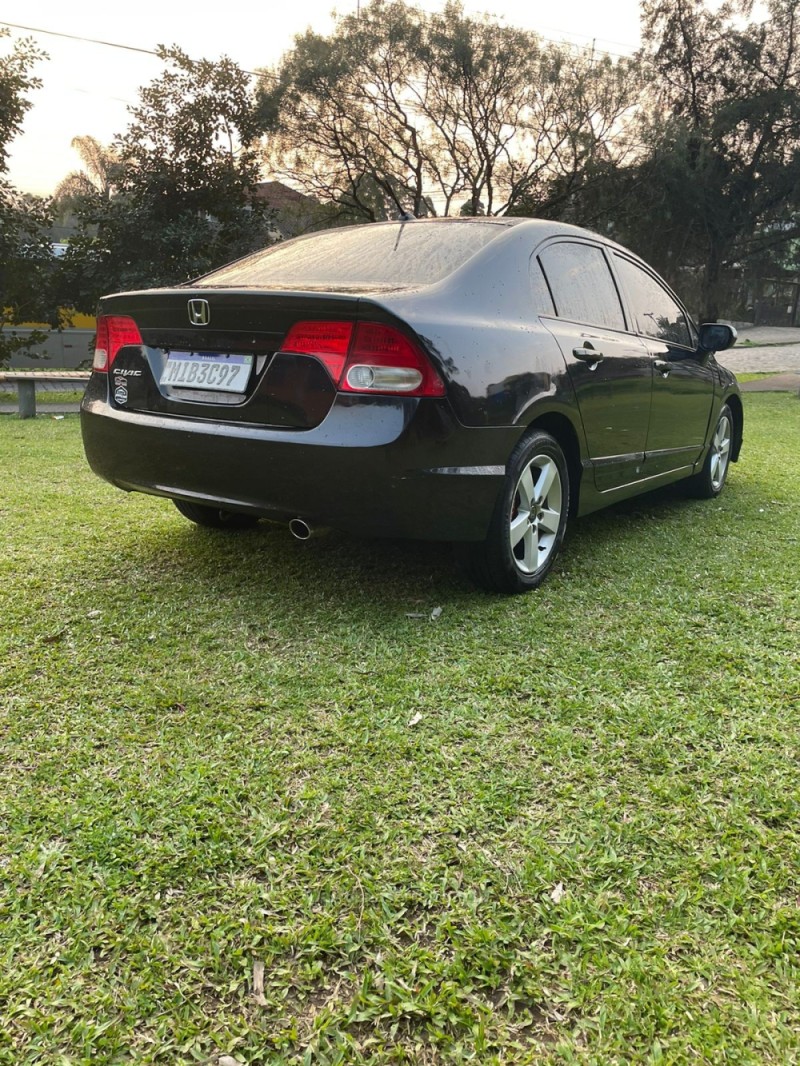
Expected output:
{"points": [[471, 380]]}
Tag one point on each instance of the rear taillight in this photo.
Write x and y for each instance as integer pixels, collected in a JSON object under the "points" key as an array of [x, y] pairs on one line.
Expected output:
{"points": [[382, 359], [328, 341], [113, 333], [366, 357]]}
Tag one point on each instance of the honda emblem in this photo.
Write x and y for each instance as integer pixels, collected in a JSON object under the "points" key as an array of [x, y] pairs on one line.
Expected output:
{"points": [[199, 312]]}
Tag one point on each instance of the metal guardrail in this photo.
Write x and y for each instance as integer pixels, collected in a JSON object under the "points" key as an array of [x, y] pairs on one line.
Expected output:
{"points": [[27, 380]]}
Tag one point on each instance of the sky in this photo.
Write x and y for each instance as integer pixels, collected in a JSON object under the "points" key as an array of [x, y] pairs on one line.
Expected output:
{"points": [[88, 87]]}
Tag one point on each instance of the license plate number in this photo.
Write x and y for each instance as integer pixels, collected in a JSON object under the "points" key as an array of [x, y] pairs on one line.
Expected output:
{"points": [[207, 370]]}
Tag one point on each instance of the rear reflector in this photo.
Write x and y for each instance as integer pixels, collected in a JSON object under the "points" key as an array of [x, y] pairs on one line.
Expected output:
{"points": [[113, 332], [366, 357]]}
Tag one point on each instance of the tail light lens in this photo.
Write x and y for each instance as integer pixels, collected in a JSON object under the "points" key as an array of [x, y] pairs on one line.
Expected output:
{"points": [[113, 333], [328, 341], [367, 357]]}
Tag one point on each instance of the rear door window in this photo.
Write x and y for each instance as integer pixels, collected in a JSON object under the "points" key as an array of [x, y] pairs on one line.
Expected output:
{"points": [[582, 286], [657, 313]]}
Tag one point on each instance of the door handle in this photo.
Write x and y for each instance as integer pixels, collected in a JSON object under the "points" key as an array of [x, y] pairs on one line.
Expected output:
{"points": [[663, 367], [587, 354]]}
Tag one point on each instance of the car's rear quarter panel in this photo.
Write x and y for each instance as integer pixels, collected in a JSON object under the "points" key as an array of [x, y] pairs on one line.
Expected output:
{"points": [[502, 366]]}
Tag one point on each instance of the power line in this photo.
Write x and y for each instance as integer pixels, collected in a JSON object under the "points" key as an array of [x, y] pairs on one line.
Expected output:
{"points": [[551, 40], [105, 44], [85, 40], [264, 73]]}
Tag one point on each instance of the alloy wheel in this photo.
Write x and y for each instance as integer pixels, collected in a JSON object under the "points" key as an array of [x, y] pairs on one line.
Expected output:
{"points": [[720, 452], [536, 514]]}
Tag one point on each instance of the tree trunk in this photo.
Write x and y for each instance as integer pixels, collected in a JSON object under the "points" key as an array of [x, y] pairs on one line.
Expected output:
{"points": [[712, 276]]}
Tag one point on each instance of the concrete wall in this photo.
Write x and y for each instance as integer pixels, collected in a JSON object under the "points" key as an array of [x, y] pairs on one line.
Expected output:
{"points": [[67, 350]]}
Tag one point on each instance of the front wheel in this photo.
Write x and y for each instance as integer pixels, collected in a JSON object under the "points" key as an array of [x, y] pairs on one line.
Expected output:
{"points": [[709, 482], [214, 517], [529, 521]]}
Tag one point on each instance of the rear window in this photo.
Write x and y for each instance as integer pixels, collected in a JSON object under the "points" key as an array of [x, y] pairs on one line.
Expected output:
{"points": [[411, 253]]}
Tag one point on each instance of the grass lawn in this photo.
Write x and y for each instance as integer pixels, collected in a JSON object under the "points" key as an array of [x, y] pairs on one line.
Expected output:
{"points": [[45, 396], [585, 849]]}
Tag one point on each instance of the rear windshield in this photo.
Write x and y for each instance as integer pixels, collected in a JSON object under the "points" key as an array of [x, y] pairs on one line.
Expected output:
{"points": [[409, 253]]}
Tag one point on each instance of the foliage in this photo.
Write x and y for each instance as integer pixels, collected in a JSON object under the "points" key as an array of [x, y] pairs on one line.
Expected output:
{"points": [[718, 186], [26, 260], [189, 146], [123, 246], [16, 82], [399, 111], [584, 851], [177, 196], [25, 253]]}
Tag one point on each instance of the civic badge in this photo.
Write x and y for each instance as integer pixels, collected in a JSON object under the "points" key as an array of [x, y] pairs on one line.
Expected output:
{"points": [[199, 312]]}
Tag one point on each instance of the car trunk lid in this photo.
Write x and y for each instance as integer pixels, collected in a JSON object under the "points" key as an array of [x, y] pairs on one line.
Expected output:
{"points": [[216, 354]]}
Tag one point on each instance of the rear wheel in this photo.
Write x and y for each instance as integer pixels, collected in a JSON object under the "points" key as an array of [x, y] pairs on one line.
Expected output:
{"points": [[529, 521], [214, 517], [709, 482]]}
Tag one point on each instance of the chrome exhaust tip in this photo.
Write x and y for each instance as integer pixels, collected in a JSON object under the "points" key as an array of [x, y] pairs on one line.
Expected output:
{"points": [[300, 529]]}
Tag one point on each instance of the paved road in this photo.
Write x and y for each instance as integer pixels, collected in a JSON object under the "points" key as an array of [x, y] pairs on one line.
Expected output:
{"points": [[762, 360], [764, 349]]}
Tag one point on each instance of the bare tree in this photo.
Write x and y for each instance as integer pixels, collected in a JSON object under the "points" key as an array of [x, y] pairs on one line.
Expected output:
{"points": [[398, 111]]}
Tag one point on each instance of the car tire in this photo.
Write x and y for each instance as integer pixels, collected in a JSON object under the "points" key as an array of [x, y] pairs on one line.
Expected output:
{"points": [[710, 481], [529, 521], [214, 517]]}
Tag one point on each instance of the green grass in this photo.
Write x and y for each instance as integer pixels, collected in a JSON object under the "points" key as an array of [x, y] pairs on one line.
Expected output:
{"points": [[584, 851], [45, 396], [746, 342]]}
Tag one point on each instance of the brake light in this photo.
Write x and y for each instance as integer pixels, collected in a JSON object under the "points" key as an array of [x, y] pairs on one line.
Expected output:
{"points": [[382, 359], [328, 341], [113, 333], [367, 357]]}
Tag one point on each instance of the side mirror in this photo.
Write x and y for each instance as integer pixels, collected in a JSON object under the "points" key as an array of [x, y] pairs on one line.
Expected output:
{"points": [[717, 336]]}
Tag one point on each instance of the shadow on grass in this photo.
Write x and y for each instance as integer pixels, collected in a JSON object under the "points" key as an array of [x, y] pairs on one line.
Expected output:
{"points": [[265, 572]]}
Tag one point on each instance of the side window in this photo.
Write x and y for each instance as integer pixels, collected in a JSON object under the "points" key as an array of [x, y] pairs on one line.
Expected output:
{"points": [[542, 300], [582, 286], [657, 313]]}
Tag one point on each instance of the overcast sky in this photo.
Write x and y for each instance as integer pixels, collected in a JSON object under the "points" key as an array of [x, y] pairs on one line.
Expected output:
{"points": [[86, 87]]}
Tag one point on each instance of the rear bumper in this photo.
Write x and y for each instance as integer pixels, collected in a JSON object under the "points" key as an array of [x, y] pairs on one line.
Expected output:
{"points": [[378, 466]]}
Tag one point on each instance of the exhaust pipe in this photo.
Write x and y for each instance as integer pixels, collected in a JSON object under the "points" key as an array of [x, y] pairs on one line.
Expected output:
{"points": [[300, 529]]}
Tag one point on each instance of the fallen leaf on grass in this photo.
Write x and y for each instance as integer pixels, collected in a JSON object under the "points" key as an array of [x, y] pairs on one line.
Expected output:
{"points": [[258, 984], [558, 893], [415, 720]]}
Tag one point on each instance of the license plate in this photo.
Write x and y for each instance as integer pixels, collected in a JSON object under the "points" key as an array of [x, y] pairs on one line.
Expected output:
{"points": [[207, 370]]}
